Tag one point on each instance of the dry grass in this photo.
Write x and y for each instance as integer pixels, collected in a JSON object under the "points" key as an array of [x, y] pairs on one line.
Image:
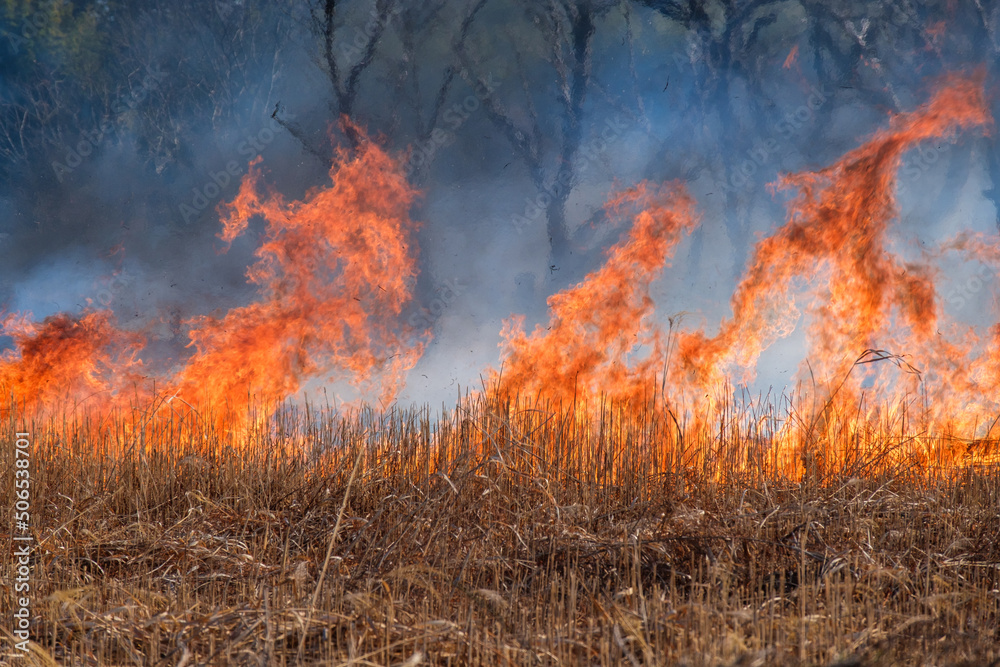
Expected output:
{"points": [[496, 536]]}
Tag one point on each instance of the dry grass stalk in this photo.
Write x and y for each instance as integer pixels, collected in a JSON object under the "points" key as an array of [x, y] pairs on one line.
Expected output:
{"points": [[502, 535]]}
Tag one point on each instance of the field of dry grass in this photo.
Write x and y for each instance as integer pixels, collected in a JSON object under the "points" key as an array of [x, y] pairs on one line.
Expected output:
{"points": [[494, 536]]}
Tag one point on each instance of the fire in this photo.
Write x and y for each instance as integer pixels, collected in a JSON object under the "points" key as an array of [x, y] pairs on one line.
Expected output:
{"points": [[67, 361], [832, 258], [792, 58], [334, 273], [861, 294], [584, 351]]}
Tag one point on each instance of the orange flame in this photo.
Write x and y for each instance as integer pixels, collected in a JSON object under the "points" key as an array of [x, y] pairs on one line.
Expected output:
{"points": [[836, 237], [792, 58], [583, 352], [833, 252], [335, 272], [68, 359]]}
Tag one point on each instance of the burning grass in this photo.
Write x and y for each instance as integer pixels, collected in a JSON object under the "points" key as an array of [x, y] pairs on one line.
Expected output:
{"points": [[644, 517], [500, 534]]}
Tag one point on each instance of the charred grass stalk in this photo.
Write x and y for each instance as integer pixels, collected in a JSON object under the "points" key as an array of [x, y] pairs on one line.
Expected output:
{"points": [[504, 534]]}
